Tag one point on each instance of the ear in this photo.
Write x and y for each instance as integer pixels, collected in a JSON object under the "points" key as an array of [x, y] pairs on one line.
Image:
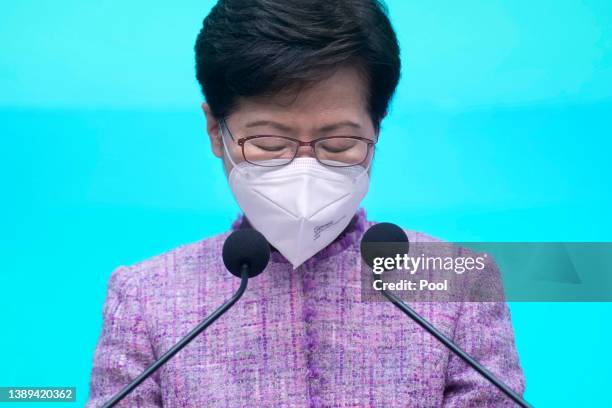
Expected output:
{"points": [[214, 131]]}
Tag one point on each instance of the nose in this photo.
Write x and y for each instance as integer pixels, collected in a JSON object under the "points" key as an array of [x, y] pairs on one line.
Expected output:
{"points": [[305, 151]]}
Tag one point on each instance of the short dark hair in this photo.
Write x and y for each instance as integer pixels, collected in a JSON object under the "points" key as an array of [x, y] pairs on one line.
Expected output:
{"points": [[259, 47]]}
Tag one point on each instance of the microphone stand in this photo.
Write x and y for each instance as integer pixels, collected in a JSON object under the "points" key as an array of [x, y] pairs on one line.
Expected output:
{"points": [[244, 278], [455, 349]]}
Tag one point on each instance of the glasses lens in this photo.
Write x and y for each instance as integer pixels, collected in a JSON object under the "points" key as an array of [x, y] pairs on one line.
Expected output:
{"points": [[269, 151], [341, 151]]}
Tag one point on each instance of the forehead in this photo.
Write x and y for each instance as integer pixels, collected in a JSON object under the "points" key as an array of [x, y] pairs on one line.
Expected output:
{"points": [[340, 96]]}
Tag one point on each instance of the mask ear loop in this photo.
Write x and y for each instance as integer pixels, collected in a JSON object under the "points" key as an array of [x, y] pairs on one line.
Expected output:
{"points": [[243, 166], [366, 168], [223, 128]]}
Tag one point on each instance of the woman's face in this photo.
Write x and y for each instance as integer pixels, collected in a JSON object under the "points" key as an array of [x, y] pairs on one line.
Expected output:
{"points": [[335, 106]]}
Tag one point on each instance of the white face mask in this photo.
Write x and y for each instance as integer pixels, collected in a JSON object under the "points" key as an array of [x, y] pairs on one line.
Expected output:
{"points": [[300, 207]]}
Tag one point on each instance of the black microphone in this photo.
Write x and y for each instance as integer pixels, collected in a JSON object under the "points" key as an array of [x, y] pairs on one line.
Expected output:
{"points": [[245, 254], [386, 240]]}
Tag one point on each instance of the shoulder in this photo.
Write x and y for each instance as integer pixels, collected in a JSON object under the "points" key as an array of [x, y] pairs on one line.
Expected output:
{"points": [[413, 236], [437, 244], [472, 275], [177, 264]]}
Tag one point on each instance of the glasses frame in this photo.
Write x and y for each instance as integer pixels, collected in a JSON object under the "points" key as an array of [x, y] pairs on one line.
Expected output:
{"points": [[300, 143]]}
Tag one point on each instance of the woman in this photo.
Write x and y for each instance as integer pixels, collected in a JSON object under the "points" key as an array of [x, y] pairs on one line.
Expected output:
{"points": [[295, 95]]}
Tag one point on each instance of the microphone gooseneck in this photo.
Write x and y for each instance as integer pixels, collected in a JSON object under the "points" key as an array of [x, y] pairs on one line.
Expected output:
{"points": [[384, 240], [245, 254]]}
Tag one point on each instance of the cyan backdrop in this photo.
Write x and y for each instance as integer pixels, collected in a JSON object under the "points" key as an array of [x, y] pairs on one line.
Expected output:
{"points": [[500, 131]]}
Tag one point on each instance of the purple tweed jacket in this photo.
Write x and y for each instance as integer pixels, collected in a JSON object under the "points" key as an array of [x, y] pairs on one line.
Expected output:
{"points": [[297, 338]]}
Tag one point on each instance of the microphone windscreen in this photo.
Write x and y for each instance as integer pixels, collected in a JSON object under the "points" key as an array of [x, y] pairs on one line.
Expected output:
{"points": [[384, 240], [246, 246]]}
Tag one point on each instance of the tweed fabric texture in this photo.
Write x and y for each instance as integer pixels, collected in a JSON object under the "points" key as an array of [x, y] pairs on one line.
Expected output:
{"points": [[297, 338]]}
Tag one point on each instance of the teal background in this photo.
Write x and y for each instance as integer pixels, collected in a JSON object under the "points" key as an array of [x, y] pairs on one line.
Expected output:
{"points": [[500, 130]]}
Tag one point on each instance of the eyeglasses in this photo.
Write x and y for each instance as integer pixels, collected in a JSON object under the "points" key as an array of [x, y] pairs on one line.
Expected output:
{"points": [[273, 151]]}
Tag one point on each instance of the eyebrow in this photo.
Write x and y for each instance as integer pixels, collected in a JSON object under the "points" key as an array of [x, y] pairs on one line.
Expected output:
{"points": [[281, 127], [270, 123], [334, 126]]}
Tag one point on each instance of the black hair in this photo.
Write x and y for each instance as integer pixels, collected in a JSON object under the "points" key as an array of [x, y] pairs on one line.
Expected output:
{"points": [[260, 47]]}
